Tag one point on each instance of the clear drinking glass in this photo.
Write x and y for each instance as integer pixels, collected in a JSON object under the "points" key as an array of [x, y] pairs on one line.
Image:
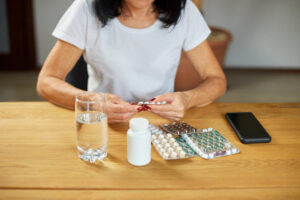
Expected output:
{"points": [[91, 126]]}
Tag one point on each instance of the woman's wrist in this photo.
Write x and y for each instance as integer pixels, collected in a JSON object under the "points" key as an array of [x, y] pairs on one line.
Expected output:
{"points": [[187, 98]]}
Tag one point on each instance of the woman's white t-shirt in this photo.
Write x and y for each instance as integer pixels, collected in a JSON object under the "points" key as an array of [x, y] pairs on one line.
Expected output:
{"points": [[135, 64]]}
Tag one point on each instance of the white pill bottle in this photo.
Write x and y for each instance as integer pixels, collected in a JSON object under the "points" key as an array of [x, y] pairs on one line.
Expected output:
{"points": [[138, 142]]}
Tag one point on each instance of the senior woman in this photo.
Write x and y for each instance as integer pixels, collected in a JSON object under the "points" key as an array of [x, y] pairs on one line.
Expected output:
{"points": [[132, 48]]}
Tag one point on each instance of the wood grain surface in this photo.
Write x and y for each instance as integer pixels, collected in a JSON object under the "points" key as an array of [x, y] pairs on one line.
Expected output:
{"points": [[38, 158]]}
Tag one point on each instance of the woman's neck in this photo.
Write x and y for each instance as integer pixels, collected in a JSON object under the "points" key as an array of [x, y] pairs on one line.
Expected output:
{"points": [[137, 17], [137, 13]]}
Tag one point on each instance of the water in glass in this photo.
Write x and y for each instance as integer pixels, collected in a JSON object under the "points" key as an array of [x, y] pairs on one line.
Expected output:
{"points": [[91, 136]]}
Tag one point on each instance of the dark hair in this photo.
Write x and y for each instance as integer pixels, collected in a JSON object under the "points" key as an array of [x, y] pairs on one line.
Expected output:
{"points": [[169, 10]]}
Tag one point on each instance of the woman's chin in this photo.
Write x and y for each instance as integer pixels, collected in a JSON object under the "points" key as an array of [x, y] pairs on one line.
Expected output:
{"points": [[140, 4]]}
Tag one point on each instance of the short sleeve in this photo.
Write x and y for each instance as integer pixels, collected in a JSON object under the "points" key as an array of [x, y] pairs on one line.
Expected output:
{"points": [[196, 29], [72, 26]]}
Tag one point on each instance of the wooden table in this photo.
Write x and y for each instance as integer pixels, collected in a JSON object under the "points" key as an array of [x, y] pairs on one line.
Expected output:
{"points": [[38, 158]]}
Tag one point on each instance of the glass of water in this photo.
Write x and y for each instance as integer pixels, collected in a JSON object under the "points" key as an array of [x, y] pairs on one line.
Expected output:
{"points": [[91, 126]]}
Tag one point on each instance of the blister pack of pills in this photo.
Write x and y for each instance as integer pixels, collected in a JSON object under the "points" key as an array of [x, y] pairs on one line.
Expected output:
{"points": [[144, 105], [168, 146], [178, 128], [209, 143], [151, 103], [206, 143]]}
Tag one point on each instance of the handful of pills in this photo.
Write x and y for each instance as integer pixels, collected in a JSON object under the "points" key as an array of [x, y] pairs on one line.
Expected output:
{"points": [[180, 140]]}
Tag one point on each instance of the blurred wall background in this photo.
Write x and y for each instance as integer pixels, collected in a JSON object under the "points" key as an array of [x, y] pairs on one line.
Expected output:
{"points": [[46, 16], [4, 36], [265, 32]]}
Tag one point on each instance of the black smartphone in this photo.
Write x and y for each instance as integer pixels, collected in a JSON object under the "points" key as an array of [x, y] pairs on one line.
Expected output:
{"points": [[247, 127]]}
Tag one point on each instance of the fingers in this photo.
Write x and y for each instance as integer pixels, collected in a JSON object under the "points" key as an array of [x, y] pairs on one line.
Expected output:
{"points": [[173, 116], [117, 105], [175, 106], [163, 108], [120, 118], [118, 110], [166, 97], [173, 110], [114, 99], [122, 108]]}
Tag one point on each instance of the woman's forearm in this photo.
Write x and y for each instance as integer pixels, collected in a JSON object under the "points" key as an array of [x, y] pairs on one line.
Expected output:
{"points": [[57, 91], [51, 83], [208, 91], [214, 83]]}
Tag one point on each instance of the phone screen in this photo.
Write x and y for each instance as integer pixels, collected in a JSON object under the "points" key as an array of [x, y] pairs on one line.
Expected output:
{"points": [[247, 127]]}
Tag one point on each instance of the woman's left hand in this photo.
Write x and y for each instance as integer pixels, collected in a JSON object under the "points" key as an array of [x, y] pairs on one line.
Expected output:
{"points": [[177, 104]]}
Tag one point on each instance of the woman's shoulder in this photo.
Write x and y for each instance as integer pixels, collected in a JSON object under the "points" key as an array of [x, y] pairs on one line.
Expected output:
{"points": [[85, 10], [88, 4], [85, 5], [190, 14], [189, 9]]}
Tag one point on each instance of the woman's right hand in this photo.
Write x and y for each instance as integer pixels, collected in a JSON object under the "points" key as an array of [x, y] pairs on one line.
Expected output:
{"points": [[118, 110]]}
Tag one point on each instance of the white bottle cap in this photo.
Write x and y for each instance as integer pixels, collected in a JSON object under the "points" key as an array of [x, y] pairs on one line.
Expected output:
{"points": [[138, 124]]}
